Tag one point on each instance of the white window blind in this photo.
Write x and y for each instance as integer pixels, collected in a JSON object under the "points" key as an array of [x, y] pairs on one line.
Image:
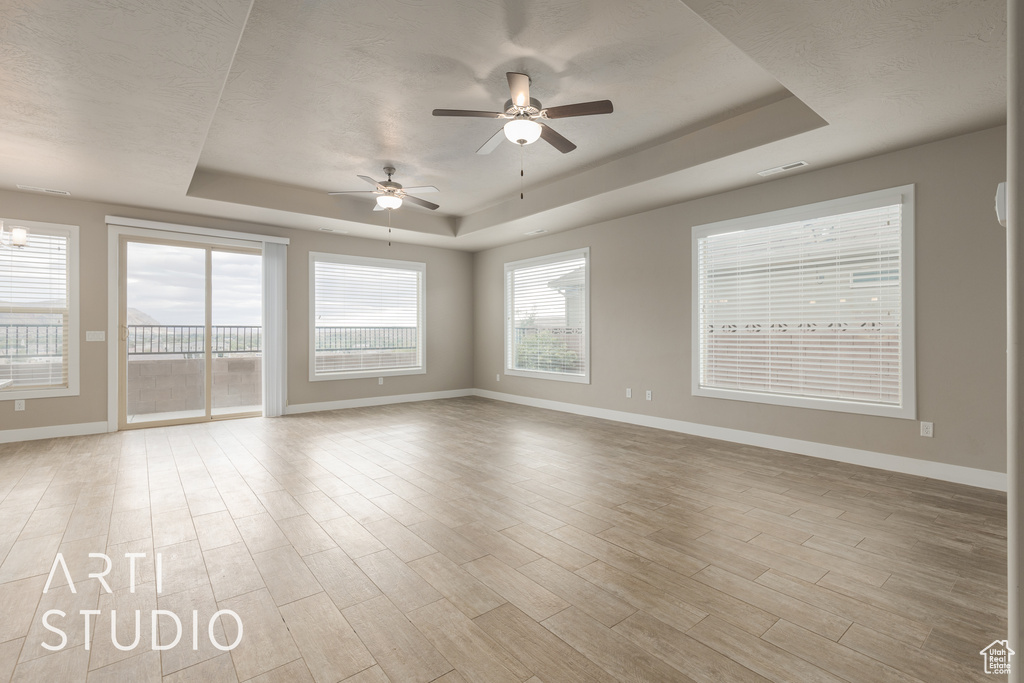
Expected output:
{"points": [[547, 327], [38, 320], [368, 316], [811, 308]]}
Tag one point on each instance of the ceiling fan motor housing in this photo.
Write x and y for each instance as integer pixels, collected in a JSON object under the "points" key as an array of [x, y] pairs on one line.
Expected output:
{"points": [[533, 109]]}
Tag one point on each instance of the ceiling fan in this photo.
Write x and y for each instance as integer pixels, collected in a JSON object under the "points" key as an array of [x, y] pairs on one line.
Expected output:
{"points": [[390, 194], [523, 114]]}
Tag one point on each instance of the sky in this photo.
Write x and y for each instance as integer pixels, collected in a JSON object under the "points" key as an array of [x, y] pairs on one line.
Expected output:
{"points": [[167, 283]]}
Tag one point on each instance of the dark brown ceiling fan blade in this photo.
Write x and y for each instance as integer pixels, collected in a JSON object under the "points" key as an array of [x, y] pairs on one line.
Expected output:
{"points": [[354, 192], [519, 87], [468, 112], [421, 202], [556, 140], [420, 189], [581, 109], [492, 142]]}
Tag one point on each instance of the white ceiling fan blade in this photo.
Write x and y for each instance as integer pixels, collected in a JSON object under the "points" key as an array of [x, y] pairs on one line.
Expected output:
{"points": [[580, 109], [555, 139], [492, 142], [468, 112], [354, 192], [378, 207], [421, 202], [369, 180], [420, 189], [519, 86]]}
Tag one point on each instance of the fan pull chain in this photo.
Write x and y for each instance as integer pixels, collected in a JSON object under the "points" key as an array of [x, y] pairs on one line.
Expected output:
{"points": [[521, 181], [389, 225]]}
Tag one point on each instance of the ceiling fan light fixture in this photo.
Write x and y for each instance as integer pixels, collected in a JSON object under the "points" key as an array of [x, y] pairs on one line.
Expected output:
{"points": [[389, 201], [522, 131]]}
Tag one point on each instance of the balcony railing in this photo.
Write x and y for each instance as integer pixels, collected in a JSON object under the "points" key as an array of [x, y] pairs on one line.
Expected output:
{"points": [[144, 340], [40, 341], [31, 341], [341, 339]]}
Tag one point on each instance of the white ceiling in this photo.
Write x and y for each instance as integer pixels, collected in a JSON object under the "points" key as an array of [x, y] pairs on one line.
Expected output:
{"points": [[255, 110]]}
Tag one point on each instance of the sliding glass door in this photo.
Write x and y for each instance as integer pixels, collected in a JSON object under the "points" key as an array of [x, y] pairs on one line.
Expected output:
{"points": [[191, 331], [236, 293]]}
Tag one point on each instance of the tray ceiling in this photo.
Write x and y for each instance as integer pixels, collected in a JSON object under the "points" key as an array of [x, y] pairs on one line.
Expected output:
{"points": [[254, 110]]}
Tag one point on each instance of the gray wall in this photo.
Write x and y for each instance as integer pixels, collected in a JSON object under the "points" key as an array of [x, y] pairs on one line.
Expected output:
{"points": [[640, 307], [640, 294], [448, 315]]}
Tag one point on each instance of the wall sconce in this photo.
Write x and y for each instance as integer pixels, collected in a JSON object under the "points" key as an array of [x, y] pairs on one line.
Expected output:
{"points": [[17, 236]]}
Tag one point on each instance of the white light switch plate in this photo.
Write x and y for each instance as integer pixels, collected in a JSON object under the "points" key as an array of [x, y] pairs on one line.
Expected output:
{"points": [[95, 336]]}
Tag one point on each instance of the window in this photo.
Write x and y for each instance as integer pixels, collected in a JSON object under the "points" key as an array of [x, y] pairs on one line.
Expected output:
{"points": [[39, 312], [367, 317], [810, 307], [547, 315]]}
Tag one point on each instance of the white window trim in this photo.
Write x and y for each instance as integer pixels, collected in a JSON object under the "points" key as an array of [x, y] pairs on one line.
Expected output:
{"points": [[192, 230], [421, 369], [908, 377], [74, 341], [540, 261]]}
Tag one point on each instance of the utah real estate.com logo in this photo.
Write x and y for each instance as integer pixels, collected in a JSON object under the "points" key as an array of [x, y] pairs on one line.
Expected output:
{"points": [[997, 657], [56, 615]]}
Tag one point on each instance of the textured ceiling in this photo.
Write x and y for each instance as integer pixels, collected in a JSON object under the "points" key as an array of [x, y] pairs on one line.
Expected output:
{"points": [[111, 100], [253, 110], [330, 90]]}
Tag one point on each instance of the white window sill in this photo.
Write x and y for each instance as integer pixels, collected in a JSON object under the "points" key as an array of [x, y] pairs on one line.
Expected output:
{"points": [[362, 374], [906, 412], [557, 376]]}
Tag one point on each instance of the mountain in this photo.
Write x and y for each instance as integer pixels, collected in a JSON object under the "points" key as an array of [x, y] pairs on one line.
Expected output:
{"points": [[137, 317]]}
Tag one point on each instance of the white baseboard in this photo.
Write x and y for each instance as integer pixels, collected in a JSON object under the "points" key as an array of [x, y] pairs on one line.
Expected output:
{"points": [[893, 463], [885, 461], [295, 409], [36, 433]]}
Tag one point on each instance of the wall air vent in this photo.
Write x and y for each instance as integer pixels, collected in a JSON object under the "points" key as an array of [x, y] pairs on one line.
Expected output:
{"points": [[783, 168], [44, 190]]}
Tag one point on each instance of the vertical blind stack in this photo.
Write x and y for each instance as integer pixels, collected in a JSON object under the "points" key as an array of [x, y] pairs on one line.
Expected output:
{"points": [[34, 312], [808, 308]]}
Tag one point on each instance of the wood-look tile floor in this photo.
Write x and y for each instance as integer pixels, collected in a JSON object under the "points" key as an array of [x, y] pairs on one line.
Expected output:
{"points": [[468, 540]]}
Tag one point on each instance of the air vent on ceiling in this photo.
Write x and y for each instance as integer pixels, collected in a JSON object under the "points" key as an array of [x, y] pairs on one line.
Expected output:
{"points": [[44, 190], [339, 232], [535, 232], [783, 168]]}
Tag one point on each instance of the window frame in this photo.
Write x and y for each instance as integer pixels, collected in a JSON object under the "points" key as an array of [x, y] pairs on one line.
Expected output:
{"points": [[419, 267], [73, 339], [904, 195], [509, 322]]}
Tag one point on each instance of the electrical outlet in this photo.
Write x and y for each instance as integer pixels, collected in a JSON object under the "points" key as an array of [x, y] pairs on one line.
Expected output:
{"points": [[497, 377], [927, 429], [380, 380], [648, 394], [629, 393], [19, 404]]}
